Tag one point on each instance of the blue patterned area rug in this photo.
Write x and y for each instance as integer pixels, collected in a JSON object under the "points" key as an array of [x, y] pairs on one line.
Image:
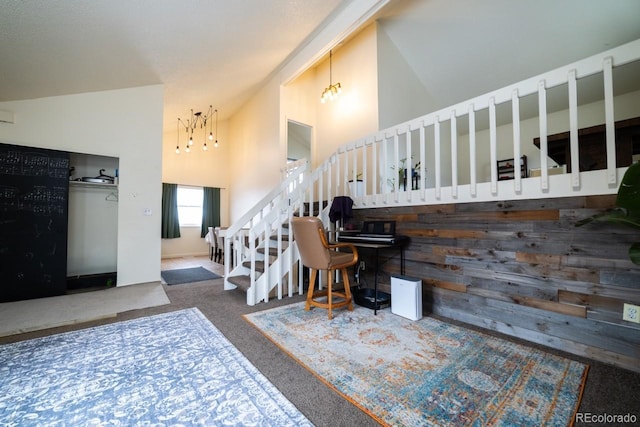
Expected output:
{"points": [[427, 373], [170, 369]]}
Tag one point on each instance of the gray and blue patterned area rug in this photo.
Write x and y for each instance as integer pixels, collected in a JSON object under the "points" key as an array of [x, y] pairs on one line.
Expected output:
{"points": [[170, 369]]}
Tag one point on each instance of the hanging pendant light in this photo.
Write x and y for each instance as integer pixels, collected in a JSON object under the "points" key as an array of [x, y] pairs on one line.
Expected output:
{"points": [[332, 91], [197, 120]]}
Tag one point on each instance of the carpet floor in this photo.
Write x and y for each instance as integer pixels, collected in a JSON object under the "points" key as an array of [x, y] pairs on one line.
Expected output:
{"points": [[43, 313], [168, 369], [427, 372], [608, 390]]}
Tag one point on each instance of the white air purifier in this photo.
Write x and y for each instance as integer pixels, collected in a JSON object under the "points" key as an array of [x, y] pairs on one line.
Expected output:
{"points": [[406, 297]]}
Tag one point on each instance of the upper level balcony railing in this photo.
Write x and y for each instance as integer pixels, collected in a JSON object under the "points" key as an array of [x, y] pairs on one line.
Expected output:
{"points": [[456, 154]]}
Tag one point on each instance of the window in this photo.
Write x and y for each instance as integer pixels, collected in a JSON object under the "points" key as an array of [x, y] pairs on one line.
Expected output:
{"points": [[190, 206]]}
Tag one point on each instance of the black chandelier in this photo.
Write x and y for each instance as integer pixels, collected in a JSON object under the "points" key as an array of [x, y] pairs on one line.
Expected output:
{"points": [[198, 120]]}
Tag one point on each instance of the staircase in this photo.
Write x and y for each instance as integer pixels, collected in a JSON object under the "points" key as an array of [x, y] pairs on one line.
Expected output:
{"points": [[260, 257]]}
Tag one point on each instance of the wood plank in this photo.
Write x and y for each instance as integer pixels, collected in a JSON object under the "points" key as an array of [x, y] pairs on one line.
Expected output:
{"points": [[452, 286], [568, 309], [581, 330], [620, 277], [510, 288], [528, 204], [515, 215], [445, 233], [536, 258], [607, 201], [565, 345], [595, 302], [610, 317], [551, 274]]}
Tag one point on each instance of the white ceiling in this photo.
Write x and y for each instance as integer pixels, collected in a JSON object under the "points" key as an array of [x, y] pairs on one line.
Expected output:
{"points": [[219, 51], [203, 51], [465, 48]]}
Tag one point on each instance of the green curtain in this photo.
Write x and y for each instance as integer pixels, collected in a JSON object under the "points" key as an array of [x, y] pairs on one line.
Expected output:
{"points": [[170, 221], [210, 209]]}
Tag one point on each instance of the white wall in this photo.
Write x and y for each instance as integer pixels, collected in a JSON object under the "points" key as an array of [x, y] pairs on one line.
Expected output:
{"points": [[355, 113], [401, 93], [126, 124], [257, 149], [300, 103]]}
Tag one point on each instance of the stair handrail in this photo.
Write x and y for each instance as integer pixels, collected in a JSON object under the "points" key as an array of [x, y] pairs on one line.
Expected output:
{"points": [[291, 182], [272, 221]]}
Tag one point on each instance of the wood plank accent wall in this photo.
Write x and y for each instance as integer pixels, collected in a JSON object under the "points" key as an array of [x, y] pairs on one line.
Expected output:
{"points": [[522, 268]]}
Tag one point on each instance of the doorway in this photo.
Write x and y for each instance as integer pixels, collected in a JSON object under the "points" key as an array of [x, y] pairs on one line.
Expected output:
{"points": [[298, 141]]}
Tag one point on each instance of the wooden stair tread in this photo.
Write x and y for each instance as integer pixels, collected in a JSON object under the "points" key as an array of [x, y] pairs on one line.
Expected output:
{"points": [[272, 251], [285, 237], [259, 265], [243, 281]]}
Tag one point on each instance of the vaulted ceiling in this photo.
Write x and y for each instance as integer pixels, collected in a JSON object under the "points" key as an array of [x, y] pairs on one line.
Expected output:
{"points": [[218, 51]]}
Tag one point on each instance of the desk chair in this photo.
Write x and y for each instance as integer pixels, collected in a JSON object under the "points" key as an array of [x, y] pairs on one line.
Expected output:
{"points": [[317, 254]]}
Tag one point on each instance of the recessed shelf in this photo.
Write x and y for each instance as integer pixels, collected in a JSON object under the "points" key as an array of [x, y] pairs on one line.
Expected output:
{"points": [[92, 184]]}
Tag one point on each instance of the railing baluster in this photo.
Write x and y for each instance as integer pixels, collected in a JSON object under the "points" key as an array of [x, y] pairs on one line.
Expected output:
{"points": [[364, 171], [408, 175], [267, 247], [609, 120], [396, 156], [312, 196], [573, 129], [423, 168], [515, 118], [289, 258], [329, 181], [374, 173], [320, 192], [454, 154], [542, 114], [346, 173], [472, 150], [337, 185], [436, 137], [385, 168], [493, 143], [354, 173]]}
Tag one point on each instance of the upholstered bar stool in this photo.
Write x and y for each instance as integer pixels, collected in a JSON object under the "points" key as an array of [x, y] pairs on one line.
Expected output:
{"points": [[317, 254]]}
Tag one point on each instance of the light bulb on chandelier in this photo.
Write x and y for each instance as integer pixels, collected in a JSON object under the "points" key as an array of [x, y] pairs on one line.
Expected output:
{"points": [[197, 120]]}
